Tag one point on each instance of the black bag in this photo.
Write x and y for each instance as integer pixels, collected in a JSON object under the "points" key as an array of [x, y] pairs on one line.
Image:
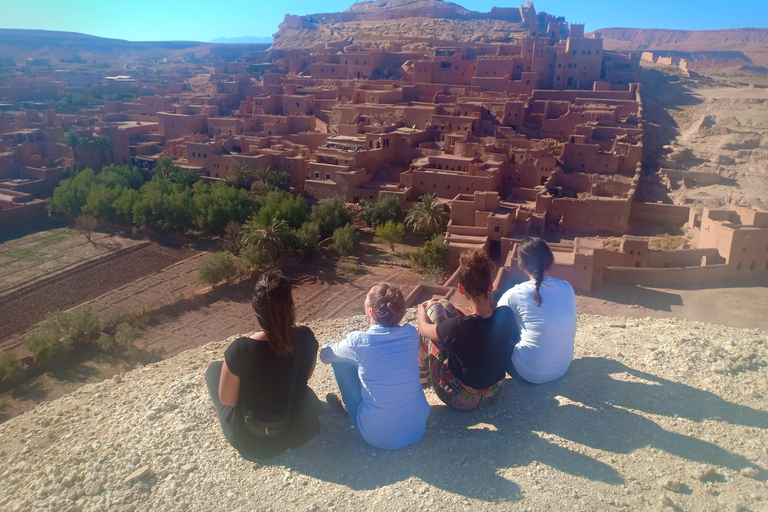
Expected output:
{"points": [[268, 429]]}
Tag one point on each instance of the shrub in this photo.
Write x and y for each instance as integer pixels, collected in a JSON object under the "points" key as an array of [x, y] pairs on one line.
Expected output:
{"points": [[11, 368], [386, 208], [307, 239], [125, 333], [432, 257], [219, 267], [389, 234], [60, 331], [252, 256], [344, 240], [105, 341], [329, 215]]}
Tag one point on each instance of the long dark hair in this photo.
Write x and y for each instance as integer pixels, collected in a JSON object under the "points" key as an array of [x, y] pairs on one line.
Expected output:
{"points": [[535, 257], [475, 268], [387, 303], [273, 304]]}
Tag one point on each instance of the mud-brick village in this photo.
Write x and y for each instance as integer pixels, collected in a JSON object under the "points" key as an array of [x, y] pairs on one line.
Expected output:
{"points": [[527, 257]]}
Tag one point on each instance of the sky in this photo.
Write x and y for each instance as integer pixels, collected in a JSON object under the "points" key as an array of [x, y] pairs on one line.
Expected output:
{"points": [[204, 20]]}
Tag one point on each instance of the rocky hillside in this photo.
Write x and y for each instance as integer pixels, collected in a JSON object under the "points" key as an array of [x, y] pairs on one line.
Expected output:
{"points": [[653, 414], [726, 49], [404, 20]]}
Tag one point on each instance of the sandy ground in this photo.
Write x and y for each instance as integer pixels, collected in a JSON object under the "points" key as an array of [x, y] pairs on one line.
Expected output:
{"points": [[653, 414], [706, 125]]}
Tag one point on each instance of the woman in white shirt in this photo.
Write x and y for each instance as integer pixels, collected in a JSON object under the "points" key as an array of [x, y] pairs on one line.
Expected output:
{"points": [[545, 310]]}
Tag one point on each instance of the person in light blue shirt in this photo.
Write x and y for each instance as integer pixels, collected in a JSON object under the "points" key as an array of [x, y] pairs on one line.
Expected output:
{"points": [[378, 374]]}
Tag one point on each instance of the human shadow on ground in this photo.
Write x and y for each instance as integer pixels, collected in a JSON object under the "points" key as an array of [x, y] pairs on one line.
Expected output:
{"points": [[638, 295], [467, 453]]}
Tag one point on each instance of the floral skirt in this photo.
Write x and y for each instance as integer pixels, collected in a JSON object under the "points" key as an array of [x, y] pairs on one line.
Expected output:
{"points": [[433, 365]]}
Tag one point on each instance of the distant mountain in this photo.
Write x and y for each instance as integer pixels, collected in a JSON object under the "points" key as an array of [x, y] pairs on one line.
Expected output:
{"points": [[242, 40], [727, 48]]}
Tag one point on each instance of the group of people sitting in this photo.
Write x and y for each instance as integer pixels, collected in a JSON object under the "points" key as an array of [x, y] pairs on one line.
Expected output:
{"points": [[260, 390]]}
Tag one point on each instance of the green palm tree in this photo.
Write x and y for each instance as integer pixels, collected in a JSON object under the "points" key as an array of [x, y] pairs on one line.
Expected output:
{"points": [[268, 232], [240, 176], [428, 216], [165, 165], [268, 179], [103, 143], [73, 140]]}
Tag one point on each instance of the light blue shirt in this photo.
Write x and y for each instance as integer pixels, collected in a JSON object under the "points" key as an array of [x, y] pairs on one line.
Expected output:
{"points": [[394, 411]]}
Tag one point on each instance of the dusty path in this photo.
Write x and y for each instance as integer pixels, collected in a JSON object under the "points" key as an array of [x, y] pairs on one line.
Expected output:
{"points": [[662, 414]]}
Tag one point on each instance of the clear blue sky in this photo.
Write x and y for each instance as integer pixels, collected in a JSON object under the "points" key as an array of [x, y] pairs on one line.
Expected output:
{"points": [[198, 20]]}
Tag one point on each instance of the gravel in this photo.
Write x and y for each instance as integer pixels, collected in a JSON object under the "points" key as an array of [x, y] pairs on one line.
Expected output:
{"points": [[657, 414]]}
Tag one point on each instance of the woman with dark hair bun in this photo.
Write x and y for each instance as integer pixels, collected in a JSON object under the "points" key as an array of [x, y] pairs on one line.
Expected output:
{"points": [[378, 374], [464, 353], [545, 309], [260, 390]]}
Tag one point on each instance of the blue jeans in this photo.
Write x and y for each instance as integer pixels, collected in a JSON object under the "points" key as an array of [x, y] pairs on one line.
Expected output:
{"points": [[350, 387]]}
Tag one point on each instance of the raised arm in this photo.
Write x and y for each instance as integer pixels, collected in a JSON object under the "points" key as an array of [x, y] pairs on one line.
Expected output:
{"points": [[229, 386]]}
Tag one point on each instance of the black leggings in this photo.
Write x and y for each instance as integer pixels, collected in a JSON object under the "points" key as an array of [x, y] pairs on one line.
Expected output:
{"points": [[304, 422]]}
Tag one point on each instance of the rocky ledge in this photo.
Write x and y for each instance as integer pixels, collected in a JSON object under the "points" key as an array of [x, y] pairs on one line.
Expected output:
{"points": [[652, 414]]}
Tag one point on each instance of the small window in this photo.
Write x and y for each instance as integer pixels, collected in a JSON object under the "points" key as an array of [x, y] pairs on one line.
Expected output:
{"points": [[738, 267], [496, 229], [327, 177], [317, 175]]}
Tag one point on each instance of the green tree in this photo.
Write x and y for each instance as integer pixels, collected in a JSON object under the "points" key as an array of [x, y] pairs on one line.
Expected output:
{"points": [[123, 206], [185, 177], [269, 232], [292, 209], [329, 215], [164, 206], [428, 216], [72, 193], [219, 267], [344, 240], [308, 239], [432, 257], [218, 205], [386, 208], [390, 234]]}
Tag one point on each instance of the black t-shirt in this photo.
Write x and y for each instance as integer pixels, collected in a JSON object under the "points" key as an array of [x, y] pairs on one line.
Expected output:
{"points": [[265, 378], [479, 348]]}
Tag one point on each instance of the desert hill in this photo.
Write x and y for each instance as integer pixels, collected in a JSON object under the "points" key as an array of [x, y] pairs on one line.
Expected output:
{"points": [[654, 414], [54, 46], [409, 21], [717, 50]]}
